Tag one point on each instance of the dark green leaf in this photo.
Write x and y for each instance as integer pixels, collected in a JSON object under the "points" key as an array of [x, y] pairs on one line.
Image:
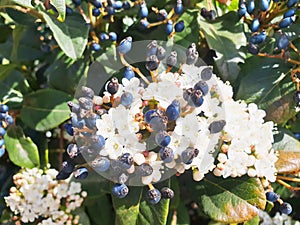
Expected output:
{"points": [[83, 217], [269, 86], [5, 70], [225, 36], [45, 109], [230, 200], [20, 17], [22, 151], [70, 35], [60, 6], [26, 3]]}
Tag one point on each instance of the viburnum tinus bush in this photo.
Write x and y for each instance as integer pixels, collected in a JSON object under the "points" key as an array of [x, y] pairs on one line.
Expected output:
{"points": [[149, 112]]}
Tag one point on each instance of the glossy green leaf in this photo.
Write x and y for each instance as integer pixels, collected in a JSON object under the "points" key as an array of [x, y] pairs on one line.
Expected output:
{"points": [[135, 210], [230, 200], [269, 86], [5, 70], [22, 151], [70, 35], [225, 36], [60, 6], [45, 109]]}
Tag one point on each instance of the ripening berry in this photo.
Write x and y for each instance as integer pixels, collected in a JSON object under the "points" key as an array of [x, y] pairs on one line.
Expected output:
{"points": [[144, 22], [152, 63], [172, 59], [161, 53], [173, 110], [206, 73], [188, 155], [120, 190], [162, 138], [72, 150], [166, 154], [250, 6], [264, 5], [96, 12], [151, 48], [242, 10], [285, 208], [126, 5], [258, 38], [110, 10], [178, 9], [97, 3], [143, 13], [285, 22], [9, 120], [253, 48], [126, 99], [103, 37], [282, 42], [291, 3], [202, 86], [98, 141], [289, 13], [117, 5], [2, 131], [153, 196], [112, 36], [3, 108]]}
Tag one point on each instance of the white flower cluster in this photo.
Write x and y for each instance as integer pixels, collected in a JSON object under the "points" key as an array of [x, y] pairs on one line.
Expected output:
{"points": [[243, 144], [37, 196]]}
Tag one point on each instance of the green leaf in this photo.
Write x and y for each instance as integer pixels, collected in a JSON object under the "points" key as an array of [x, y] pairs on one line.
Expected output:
{"points": [[254, 221], [83, 217], [60, 6], [284, 140], [5, 70], [45, 109], [230, 200], [135, 210], [26, 3], [269, 86], [225, 36], [22, 151], [71, 35]]}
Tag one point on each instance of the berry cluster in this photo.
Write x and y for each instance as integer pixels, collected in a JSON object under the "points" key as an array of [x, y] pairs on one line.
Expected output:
{"points": [[137, 133], [265, 16], [5, 121], [284, 207]]}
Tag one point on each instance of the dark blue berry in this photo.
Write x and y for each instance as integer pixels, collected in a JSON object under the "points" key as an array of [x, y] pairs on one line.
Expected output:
{"points": [[297, 135], [103, 37], [87, 92], [272, 196], [169, 27], [145, 170], [172, 59], [98, 141], [264, 5], [291, 3], [179, 26], [76, 2], [81, 173], [126, 160], [69, 129], [250, 6], [153, 196], [144, 22], [125, 45], [162, 15], [3, 108], [166, 154], [46, 48], [149, 115], [167, 193], [255, 25], [120, 190], [206, 73], [117, 5], [2, 131], [202, 86], [173, 110], [143, 13], [110, 10], [101, 164], [282, 42], [151, 48], [128, 74], [97, 3], [113, 86], [85, 103], [163, 139], [285, 208], [126, 5], [112, 36], [126, 99], [188, 155], [258, 38], [253, 48], [216, 126], [158, 124], [95, 46], [191, 54], [178, 9], [196, 98], [9, 120], [152, 63], [2, 152], [285, 22], [208, 15], [2, 116], [72, 150], [289, 13], [242, 10], [75, 108], [69, 10], [96, 12]]}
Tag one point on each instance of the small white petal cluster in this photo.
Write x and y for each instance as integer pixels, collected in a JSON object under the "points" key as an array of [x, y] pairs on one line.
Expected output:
{"points": [[242, 146], [37, 196]]}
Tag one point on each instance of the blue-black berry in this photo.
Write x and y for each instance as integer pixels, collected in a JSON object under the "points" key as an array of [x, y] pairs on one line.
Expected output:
{"points": [[120, 190], [167, 193], [113, 86], [81, 173], [272, 196], [153, 196], [285, 208]]}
